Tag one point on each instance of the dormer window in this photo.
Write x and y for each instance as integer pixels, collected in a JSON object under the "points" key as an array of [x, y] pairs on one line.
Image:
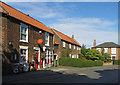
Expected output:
{"points": [[23, 32]]}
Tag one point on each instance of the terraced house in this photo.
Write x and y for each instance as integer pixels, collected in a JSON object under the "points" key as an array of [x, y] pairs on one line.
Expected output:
{"points": [[65, 46], [20, 33], [109, 47]]}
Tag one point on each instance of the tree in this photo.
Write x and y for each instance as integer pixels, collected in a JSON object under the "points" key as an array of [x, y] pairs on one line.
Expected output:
{"points": [[93, 54], [84, 51]]}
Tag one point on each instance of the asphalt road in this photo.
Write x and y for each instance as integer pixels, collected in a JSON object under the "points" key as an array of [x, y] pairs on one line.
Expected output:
{"points": [[63, 74]]}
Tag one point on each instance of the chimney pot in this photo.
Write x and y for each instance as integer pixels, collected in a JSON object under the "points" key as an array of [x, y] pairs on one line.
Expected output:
{"points": [[73, 36], [94, 44]]}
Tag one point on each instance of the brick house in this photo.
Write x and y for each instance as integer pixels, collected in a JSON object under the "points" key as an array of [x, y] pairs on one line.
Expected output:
{"points": [[109, 47], [20, 33], [63, 44]]}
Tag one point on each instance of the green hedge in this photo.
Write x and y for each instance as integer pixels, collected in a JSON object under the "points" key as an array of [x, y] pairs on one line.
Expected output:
{"points": [[79, 62], [116, 62]]}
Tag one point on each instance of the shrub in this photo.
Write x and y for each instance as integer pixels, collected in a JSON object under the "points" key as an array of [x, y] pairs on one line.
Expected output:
{"points": [[116, 62], [64, 61]]}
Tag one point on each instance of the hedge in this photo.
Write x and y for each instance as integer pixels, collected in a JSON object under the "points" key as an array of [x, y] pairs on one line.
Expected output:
{"points": [[116, 62], [64, 61]]}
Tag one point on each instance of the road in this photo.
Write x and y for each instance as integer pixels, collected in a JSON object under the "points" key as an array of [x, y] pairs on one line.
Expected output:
{"points": [[64, 74]]}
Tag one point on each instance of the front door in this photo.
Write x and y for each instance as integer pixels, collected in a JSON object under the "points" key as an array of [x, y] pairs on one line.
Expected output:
{"points": [[36, 62], [37, 59]]}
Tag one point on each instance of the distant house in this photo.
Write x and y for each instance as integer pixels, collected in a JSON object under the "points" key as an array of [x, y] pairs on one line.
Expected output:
{"points": [[109, 47], [63, 43]]}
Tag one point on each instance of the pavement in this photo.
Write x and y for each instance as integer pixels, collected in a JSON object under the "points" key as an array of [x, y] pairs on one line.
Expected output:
{"points": [[65, 74]]}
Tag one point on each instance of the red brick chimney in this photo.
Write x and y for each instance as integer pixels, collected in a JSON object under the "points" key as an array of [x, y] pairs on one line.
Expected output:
{"points": [[72, 36], [94, 44]]}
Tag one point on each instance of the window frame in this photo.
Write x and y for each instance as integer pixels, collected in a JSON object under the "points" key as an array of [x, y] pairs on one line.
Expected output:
{"points": [[112, 51], [26, 48], [69, 46], [46, 44], [25, 26], [74, 47], [64, 44]]}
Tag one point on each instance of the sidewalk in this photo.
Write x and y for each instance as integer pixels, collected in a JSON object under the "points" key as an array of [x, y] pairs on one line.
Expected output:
{"points": [[68, 69]]}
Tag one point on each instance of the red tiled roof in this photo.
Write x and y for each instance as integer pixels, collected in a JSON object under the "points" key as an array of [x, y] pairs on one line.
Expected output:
{"points": [[23, 17], [66, 38]]}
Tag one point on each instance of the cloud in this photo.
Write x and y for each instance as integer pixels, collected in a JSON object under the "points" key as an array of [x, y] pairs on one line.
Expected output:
{"points": [[38, 10], [60, 0], [88, 29]]}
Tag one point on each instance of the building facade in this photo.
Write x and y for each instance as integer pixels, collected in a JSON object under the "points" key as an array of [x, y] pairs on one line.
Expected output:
{"points": [[20, 34], [111, 48], [64, 46]]}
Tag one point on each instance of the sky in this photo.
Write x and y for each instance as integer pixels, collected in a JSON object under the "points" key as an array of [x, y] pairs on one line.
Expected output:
{"points": [[87, 21]]}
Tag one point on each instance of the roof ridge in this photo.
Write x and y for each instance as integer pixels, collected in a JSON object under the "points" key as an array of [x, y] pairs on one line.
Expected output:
{"points": [[20, 11]]}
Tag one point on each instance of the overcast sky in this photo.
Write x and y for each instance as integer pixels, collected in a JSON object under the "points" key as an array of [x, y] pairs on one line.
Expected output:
{"points": [[88, 21]]}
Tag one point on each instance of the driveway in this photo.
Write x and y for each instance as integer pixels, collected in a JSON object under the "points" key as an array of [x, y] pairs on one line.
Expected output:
{"points": [[64, 74]]}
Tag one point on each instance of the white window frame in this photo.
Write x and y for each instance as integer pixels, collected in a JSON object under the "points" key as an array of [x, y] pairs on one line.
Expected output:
{"points": [[26, 26], [25, 47], [70, 55], [99, 49], [113, 52], [74, 46], [105, 50], [113, 55], [64, 44], [69, 46], [48, 39]]}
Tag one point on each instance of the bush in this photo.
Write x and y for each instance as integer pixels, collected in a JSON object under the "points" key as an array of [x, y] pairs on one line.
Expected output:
{"points": [[79, 62], [116, 62]]}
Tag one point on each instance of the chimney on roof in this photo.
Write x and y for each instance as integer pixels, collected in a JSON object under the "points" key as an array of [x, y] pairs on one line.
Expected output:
{"points": [[94, 44], [72, 36], [27, 14], [49, 27]]}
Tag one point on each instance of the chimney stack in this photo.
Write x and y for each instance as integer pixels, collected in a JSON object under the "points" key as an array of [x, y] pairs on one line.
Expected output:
{"points": [[72, 36], [94, 44]]}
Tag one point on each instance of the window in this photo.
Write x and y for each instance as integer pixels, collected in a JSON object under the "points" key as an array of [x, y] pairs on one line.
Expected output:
{"points": [[99, 49], [70, 55], [105, 50], [47, 39], [23, 32], [113, 50], [63, 44], [70, 46], [23, 54], [77, 48], [74, 46], [113, 57]]}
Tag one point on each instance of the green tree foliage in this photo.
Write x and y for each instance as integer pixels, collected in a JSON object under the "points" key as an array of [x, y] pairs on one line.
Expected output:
{"points": [[84, 51], [93, 55]]}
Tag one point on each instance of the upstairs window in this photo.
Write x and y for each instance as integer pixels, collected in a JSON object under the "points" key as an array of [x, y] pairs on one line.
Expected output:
{"points": [[47, 39], [70, 46], [23, 32], [113, 50], [63, 44], [74, 46], [99, 49], [105, 50]]}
